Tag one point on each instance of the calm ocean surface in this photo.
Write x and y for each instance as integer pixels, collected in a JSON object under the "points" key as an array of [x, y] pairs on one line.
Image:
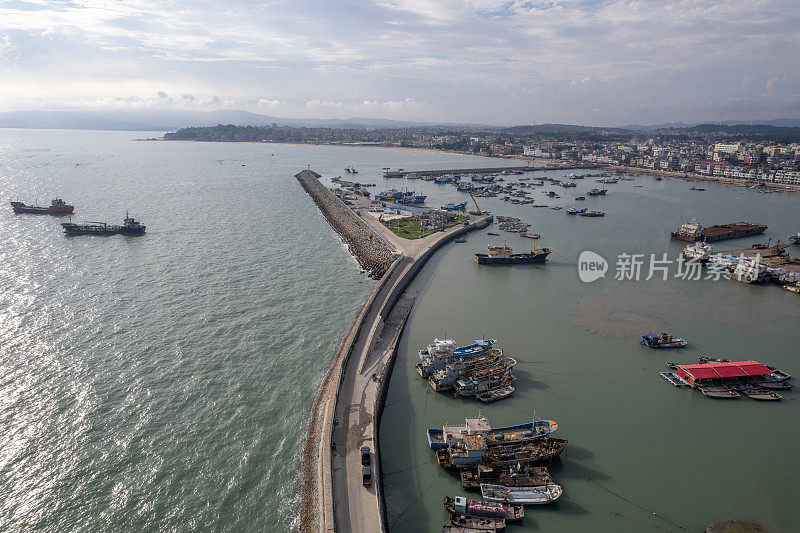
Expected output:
{"points": [[163, 382]]}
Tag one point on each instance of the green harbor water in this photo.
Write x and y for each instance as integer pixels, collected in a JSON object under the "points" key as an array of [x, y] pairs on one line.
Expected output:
{"points": [[163, 382], [642, 455]]}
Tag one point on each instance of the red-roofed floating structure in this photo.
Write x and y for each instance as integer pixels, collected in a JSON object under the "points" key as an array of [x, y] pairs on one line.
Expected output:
{"points": [[718, 373]]}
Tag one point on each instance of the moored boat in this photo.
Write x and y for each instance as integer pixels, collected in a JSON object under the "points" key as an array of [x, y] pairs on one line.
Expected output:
{"points": [[57, 207], [597, 192], [699, 252], [521, 495], [592, 214], [665, 340], [449, 436], [494, 395], [482, 509]]}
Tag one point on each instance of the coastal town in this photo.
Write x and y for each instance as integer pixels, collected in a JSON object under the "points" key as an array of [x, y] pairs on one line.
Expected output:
{"points": [[754, 154]]}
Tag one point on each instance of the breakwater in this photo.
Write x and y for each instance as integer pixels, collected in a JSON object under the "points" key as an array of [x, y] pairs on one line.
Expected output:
{"points": [[346, 411], [373, 253]]}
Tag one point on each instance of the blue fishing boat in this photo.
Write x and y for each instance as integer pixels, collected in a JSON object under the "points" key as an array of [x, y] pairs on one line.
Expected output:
{"points": [[455, 207]]}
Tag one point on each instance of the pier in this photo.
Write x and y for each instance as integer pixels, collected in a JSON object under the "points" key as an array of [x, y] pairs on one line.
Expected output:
{"points": [[489, 170], [346, 411]]}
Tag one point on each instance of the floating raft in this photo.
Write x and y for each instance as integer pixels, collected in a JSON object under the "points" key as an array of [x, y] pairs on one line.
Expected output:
{"points": [[673, 379]]}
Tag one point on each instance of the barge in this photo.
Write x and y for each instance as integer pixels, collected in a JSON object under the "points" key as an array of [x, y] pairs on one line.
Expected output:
{"points": [[693, 231]]}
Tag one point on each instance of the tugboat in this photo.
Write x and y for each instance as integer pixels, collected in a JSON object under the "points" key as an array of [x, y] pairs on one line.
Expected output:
{"points": [[665, 340], [57, 207], [130, 226], [503, 255]]}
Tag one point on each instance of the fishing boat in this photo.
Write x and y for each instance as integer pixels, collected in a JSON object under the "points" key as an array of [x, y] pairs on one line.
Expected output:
{"points": [[580, 198], [794, 287], [530, 235], [437, 355], [521, 495], [575, 211], [455, 207], [450, 436], [496, 394], [460, 241], [504, 255], [130, 226], [482, 509], [665, 340], [464, 524], [492, 234], [699, 252], [795, 239], [597, 192], [592, 214], [477, 374], [696, 189], [471, 478], [57, 207]]}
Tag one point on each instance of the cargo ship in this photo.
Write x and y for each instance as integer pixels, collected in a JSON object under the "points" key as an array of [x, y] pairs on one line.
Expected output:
{"points": [[130, 226], [503, 255], [57, 207], [693, 231]]}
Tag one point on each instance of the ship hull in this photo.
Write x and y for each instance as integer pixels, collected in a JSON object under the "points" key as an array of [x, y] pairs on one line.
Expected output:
{"points": [[101, 231], [22, 209], [521, 259]]}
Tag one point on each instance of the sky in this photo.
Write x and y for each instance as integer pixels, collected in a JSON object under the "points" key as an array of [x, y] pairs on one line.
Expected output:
{"points": [[588, 62]]}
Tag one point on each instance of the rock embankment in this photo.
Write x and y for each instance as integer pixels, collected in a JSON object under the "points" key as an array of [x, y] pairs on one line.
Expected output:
{"points": [[373, 253]]}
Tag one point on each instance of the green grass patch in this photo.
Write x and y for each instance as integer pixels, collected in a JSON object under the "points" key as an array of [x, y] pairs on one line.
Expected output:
{"points": [[411, 227]]}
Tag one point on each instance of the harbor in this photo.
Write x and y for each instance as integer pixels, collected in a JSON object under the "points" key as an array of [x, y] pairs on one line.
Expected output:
{"points": [[248, 313]]}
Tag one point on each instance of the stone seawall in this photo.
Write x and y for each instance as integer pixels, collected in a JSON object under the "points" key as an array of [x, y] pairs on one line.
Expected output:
{"points": [[373, 253]]}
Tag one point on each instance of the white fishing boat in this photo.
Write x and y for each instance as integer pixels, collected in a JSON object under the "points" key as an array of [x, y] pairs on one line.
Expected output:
{"points": [[521, 495], [699, 252]]}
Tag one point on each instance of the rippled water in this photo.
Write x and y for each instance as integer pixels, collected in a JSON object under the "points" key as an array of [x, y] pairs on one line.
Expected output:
{"points": [[163, 382]]}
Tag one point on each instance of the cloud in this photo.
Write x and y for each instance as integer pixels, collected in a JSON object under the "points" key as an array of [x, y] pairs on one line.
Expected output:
{"points": [[495, 61]]}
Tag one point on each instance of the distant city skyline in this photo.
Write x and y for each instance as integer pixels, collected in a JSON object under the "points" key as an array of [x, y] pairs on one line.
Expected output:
{"points": [[471, 61]]}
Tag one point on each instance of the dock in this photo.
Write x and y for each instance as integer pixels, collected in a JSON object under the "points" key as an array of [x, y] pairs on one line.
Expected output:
{"points": [[487, 170], [346, 412]]}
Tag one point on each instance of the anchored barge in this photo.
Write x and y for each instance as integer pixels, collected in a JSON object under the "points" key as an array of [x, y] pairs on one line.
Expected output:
{"points": [[57, 207], [694, 231]]}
